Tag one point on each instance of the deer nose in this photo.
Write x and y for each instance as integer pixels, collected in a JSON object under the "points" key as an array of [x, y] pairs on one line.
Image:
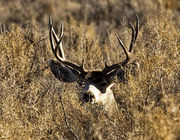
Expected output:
{"points": [[88, 96]]}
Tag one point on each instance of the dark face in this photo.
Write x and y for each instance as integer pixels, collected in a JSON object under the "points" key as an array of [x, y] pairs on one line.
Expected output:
{"points": [[92, 83], [96, 82], [96, 79], [100, 80]]}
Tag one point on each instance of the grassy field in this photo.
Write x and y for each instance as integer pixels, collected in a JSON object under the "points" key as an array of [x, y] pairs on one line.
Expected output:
{"points": [[35, 105]]}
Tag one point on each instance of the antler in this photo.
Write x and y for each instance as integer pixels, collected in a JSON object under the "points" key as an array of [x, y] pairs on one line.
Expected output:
{"points": [[108, 69], [58, 49]]}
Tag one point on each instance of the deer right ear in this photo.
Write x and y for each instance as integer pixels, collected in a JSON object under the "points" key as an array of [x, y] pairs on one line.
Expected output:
{"points": [[62, 72]]}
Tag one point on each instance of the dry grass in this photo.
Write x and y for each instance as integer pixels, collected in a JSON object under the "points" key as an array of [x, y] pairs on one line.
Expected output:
{"points": [[148, 101]]}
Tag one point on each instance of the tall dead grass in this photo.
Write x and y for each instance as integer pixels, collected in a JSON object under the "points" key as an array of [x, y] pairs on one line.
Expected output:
{"points": [[148, 100]]}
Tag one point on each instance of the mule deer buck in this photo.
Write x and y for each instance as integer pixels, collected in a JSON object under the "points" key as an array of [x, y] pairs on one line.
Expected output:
{"points": [[96, 85]]}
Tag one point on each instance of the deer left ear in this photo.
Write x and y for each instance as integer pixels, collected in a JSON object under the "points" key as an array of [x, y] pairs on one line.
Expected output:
{"points": [[62, 72]]}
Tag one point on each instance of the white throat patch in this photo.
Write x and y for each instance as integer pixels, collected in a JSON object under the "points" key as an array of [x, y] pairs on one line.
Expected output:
{"points": [[106, 99]]}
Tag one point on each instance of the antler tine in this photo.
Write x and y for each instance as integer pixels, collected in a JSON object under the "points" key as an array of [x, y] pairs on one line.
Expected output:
{"points": [[108, 69], [132, 37], [61, 33], [61, 51], [134, 30], [61, 30], [53, 34], [137, 26], [59, 43], [57, 40], [58, 49], [124, 49]]}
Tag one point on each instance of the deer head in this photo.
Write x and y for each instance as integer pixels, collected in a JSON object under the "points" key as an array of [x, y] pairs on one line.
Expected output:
{"points": [[96, 85]]}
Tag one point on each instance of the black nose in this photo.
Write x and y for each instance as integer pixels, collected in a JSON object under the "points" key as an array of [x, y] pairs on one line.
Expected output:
{"points": [[87, 97]]}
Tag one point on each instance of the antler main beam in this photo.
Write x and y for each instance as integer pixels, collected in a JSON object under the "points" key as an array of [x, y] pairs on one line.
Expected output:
{"points": [[108, 69], [58, 48]]}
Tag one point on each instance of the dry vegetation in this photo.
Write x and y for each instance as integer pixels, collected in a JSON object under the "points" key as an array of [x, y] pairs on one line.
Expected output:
{"points": [[32, 101]]}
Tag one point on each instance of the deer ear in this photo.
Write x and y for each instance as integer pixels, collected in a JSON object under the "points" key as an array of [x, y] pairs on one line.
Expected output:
{"points": [[62, 72]]}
